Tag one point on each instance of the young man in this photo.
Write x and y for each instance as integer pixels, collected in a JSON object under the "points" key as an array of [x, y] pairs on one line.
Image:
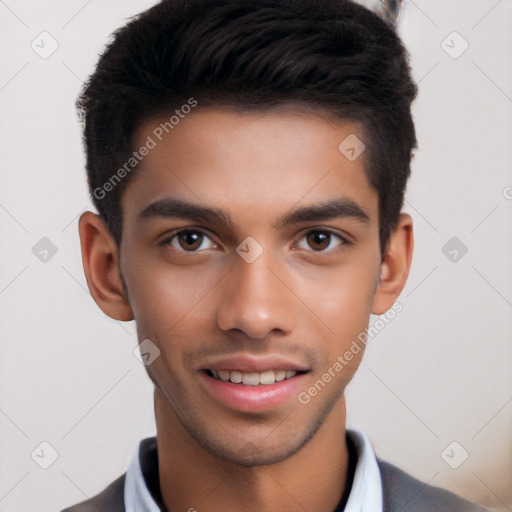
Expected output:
{"points": [[248, 160]]}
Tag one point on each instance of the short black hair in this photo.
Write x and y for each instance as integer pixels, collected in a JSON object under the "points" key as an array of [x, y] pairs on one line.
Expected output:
{"points": [[330, 55]]}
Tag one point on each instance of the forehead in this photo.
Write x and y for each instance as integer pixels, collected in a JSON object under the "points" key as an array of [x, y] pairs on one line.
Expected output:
{"points": [[259, 162]]}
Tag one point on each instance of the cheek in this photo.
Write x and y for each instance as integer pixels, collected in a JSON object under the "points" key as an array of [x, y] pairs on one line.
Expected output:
{"points": [[164, 300], [342, 298]]}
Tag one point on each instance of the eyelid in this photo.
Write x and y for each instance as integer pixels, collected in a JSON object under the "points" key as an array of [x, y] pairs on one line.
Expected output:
{"points": [[173, 233], [344, 238]]}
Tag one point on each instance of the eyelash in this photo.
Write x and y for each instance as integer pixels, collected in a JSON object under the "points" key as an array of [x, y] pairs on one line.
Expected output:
{"points": [[343, 240]]}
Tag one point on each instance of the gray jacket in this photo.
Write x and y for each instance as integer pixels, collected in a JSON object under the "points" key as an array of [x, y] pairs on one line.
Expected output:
{"points": [[401, 493]]}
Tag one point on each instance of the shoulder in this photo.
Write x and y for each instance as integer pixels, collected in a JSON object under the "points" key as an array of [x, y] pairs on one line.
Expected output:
{"points": [[403, 492], [111, 499]]}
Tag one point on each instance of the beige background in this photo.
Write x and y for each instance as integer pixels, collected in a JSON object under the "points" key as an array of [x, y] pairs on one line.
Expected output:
{"points": [[439, 373]]}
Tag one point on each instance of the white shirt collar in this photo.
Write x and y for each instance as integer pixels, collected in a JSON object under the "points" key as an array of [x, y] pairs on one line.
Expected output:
{"points": [[365, 494], [137, 497]]}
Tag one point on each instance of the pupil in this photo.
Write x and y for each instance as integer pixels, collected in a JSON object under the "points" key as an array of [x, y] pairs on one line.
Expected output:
{"points": [[190, 239], [321, 240]]}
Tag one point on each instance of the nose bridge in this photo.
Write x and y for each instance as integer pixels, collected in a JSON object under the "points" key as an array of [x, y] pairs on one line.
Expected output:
{"points": [[255, 301]]}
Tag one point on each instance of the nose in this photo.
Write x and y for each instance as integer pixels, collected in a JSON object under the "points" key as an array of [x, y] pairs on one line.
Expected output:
{"points": [[255, 300]]}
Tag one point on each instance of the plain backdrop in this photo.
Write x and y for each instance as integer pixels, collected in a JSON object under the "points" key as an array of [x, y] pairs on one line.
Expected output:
{"points": [[435, 388]]}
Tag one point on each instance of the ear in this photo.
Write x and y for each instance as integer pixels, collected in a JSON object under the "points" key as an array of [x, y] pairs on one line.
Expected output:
{"points": [[100, 258], [395, 265]]}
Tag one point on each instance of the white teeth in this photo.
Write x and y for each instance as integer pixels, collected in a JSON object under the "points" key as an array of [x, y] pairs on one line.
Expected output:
{"points": [[235, 377], [224, 375], [267, 377], [250, 378], [280, 375], [253, 378]]}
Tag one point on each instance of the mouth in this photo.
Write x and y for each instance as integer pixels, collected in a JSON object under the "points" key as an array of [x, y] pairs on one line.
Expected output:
{"points": [[264, 378], [250, 385]]}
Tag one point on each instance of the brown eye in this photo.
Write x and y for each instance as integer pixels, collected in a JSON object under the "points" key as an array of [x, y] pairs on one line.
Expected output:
{"points": [[318, 240], [189, 241], [321, 240]]}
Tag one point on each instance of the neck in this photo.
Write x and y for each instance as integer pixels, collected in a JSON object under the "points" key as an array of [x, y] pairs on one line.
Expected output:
{"points": [[316, 477]]}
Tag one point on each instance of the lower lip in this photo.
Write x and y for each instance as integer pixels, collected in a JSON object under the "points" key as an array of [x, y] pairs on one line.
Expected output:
{"points": [[252, 398]]}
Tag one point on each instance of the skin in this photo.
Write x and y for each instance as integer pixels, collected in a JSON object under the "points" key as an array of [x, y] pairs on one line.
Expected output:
{"points": [[305, 297]]}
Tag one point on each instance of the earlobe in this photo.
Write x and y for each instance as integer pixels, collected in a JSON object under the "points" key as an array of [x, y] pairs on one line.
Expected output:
{"points": [[100, 258], [395, 265]]}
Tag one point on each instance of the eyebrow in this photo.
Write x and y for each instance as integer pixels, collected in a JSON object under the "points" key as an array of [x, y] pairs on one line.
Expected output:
{"points": [[328, 210]]}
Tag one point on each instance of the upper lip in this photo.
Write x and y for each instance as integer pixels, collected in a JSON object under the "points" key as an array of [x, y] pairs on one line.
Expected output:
{"points": [[248, 363]]}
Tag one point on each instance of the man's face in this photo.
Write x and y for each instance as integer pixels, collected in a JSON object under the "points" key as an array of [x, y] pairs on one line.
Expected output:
{"points": [[280, 279]]}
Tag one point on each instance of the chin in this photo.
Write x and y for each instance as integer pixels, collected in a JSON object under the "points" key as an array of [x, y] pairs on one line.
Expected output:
{"points": [[253, 453], [256, 446]]}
